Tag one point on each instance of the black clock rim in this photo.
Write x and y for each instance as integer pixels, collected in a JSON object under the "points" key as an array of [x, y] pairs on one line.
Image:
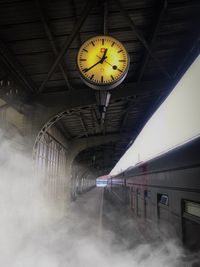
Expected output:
{"points": [[101, 85]]}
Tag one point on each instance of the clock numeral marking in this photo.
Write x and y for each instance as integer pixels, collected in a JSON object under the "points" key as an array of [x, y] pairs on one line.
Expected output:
{"points": [[102, 41], [119, 70], [85, 50], [112, 77], [92, 77], [122, 60], [93, 43], [119, 51], [102, 79], [112, 44], [83, 59]]}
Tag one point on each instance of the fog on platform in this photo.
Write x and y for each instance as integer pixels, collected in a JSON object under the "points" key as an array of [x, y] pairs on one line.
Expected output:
{"points": [[34, 234]]}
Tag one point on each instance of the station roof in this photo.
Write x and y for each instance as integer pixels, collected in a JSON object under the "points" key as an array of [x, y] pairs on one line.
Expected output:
{"points": [[161, 37]]}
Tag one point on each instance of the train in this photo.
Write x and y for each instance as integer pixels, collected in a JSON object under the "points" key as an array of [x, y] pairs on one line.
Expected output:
{"points": [[164, 191]]}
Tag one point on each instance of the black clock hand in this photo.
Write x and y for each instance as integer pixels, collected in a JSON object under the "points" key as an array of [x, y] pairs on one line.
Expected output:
{"points": [[87, 69], [106, 61], [104, 55], [113, 66], [100, 61]]}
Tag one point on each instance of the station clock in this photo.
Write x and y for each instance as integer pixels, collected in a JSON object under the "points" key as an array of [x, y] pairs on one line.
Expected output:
{"points": [[102, 62]]}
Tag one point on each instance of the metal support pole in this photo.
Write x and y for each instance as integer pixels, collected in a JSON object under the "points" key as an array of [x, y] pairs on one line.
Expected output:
{"points": [[103, 97], [105, 18]]}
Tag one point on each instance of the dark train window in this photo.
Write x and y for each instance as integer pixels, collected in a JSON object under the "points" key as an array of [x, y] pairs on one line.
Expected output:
{"points": [[163, 199], [192, 208], [138, 191], [162, 208], [145, 203], [191, 225], [132, 192], [149, 194], [140, 203]]}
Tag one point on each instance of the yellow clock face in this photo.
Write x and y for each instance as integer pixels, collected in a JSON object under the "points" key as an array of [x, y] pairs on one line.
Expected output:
{"points": [[102, 62]]}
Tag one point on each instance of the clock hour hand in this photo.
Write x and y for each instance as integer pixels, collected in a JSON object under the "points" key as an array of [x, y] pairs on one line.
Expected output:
{"points": [[104, 55], [113, 66], [106, 61], [100, 61]]}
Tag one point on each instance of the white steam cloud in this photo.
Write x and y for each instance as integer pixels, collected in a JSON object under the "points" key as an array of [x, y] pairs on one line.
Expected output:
{"points": [[31, 235]]}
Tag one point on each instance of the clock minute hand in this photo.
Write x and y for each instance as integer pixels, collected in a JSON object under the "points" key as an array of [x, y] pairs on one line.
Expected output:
{"points": [[100, 61], [87, 69]]}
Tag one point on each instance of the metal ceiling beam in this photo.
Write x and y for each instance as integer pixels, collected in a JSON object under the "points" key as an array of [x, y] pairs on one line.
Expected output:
{"points": [[69, 40], [161, 12], [15, 68], [94, 141], [130, 106], [93, 122], [190, 50], [49, 34], [61, 127], [125, 117], [82, 120], [140, 36], [94, 119], [76, 18], [156, 27], [85, 97], [79, 136]]}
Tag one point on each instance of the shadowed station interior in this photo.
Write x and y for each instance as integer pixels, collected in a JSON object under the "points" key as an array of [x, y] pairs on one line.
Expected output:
{"points": [[100, 133]]}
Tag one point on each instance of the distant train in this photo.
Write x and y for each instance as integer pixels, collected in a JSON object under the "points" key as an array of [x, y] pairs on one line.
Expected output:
{"points": [[165, 191], [102, 181]]}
